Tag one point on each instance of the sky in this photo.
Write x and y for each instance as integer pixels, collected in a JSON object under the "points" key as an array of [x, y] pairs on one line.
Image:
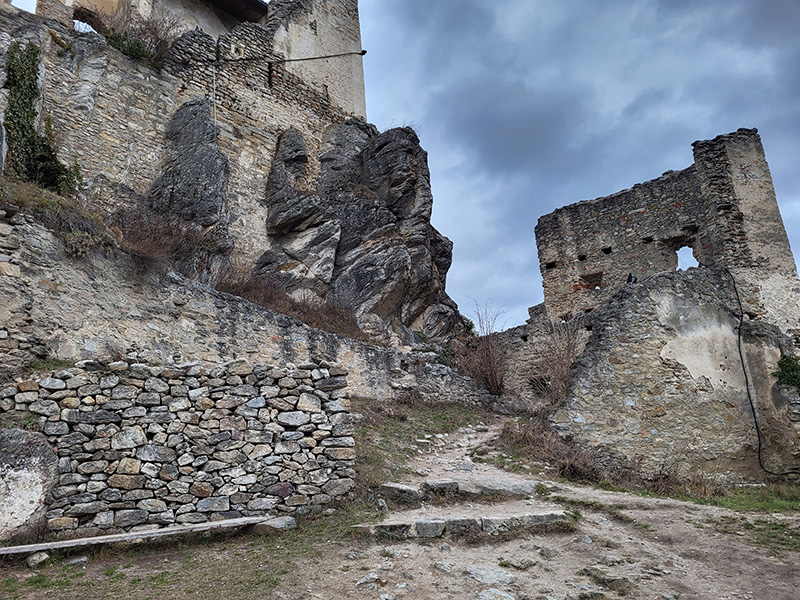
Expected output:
{"points": [[528, 105]]}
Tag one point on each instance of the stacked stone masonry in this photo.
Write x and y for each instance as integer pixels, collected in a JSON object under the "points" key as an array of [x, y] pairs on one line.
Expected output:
{"points": [[141, 446]]}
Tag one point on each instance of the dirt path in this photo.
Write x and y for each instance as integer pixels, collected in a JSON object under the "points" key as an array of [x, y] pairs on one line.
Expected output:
{"points": [[623, 544]]}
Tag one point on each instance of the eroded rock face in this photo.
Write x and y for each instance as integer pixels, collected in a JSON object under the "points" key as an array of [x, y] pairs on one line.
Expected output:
{"points": [[28, 473], [361, 235], [193, 184]]}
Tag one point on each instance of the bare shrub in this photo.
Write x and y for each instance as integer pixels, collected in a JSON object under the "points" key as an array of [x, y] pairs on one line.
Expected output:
{"points": [[483, 358], [155, 238], [533, 438], [558, 346], [146, 38], [269, 291]]}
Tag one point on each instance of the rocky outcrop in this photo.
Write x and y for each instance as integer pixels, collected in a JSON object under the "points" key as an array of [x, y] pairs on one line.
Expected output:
{"points": [[361, 236], [195, 178], [28, 474]]}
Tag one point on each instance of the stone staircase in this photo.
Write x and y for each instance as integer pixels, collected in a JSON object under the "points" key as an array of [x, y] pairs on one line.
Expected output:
{"points": [[465, 508]]}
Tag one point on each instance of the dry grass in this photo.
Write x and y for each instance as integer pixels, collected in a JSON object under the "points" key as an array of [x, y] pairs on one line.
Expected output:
{"points": [[269, 291], [80, 230], [156, 238]]}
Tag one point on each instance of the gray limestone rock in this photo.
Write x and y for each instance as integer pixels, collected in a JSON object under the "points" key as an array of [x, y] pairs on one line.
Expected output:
{"points": [[400, 492], [360, 235], [430, 528], [196, 176], [490, 575], [28, 473]]}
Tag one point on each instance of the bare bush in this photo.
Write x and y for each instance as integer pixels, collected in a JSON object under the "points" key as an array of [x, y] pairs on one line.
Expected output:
{"points": [[483, 358], [154, 238], [146, 38], [558, 346]]}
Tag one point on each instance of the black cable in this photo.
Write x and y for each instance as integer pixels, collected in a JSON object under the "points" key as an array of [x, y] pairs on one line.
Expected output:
{"points": [[218, 61], [747, 383]]}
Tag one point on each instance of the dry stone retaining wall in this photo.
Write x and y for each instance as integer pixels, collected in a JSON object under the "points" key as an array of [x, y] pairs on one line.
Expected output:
{"points": [[143, 446]]}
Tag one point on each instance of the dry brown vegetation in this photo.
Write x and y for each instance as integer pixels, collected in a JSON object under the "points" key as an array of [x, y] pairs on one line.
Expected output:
{"points": [[483, 358], [80, 230], [157, 238], [269, 291], [558, 346], [145, 38]]}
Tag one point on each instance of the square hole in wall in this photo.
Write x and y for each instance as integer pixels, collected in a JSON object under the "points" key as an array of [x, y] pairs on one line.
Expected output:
{"points": [[592, 281], [607, 250], [550, 265], [581, 257]]}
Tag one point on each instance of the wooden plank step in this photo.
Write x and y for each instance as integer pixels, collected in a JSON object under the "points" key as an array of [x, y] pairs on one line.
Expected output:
{"points": [[136, 535]]}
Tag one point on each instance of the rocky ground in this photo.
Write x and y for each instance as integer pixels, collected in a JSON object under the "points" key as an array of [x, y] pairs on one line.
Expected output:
{"points": [[507, 536]]}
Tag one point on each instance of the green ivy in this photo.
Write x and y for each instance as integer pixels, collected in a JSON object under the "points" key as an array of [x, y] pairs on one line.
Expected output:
{"points": [[788, 372], [31, 156]]}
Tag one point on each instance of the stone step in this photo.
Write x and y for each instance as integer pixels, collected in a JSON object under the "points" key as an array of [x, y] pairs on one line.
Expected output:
{"points": [[488, 525], [400, 492], [258, 525]]}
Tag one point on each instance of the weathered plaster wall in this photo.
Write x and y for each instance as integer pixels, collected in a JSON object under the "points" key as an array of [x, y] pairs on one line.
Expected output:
{"points": [[327, 29], [146, 446], [723, 206], [661, 382]]}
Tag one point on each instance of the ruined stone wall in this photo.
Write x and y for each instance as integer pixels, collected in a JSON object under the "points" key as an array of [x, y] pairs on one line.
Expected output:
{"points": [[110, 113], [141, 445], [661, 384], [52, 305], [723, 207]]}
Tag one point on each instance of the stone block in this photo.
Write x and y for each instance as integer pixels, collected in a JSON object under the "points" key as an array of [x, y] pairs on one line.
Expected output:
{"points": [[130, 518], [430, 528], [213, 504]]}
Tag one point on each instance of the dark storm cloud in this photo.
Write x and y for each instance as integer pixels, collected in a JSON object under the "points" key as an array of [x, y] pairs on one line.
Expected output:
{"points": [[526, 105]]}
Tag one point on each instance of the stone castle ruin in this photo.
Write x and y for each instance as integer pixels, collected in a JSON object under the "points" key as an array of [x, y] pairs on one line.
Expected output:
{"points": [[677, 371], [723, 207], [249, 134]]}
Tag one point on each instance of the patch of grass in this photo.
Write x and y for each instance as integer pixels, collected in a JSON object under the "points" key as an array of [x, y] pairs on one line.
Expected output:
{"points": [[612, 510], [788, 372], [47, 364], [388, 430], [783, 498], [776, 535], [9, 585]]}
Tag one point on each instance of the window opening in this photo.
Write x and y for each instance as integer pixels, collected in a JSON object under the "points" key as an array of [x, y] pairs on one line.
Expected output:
{"points": [[592, 281], [686, 259]]}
